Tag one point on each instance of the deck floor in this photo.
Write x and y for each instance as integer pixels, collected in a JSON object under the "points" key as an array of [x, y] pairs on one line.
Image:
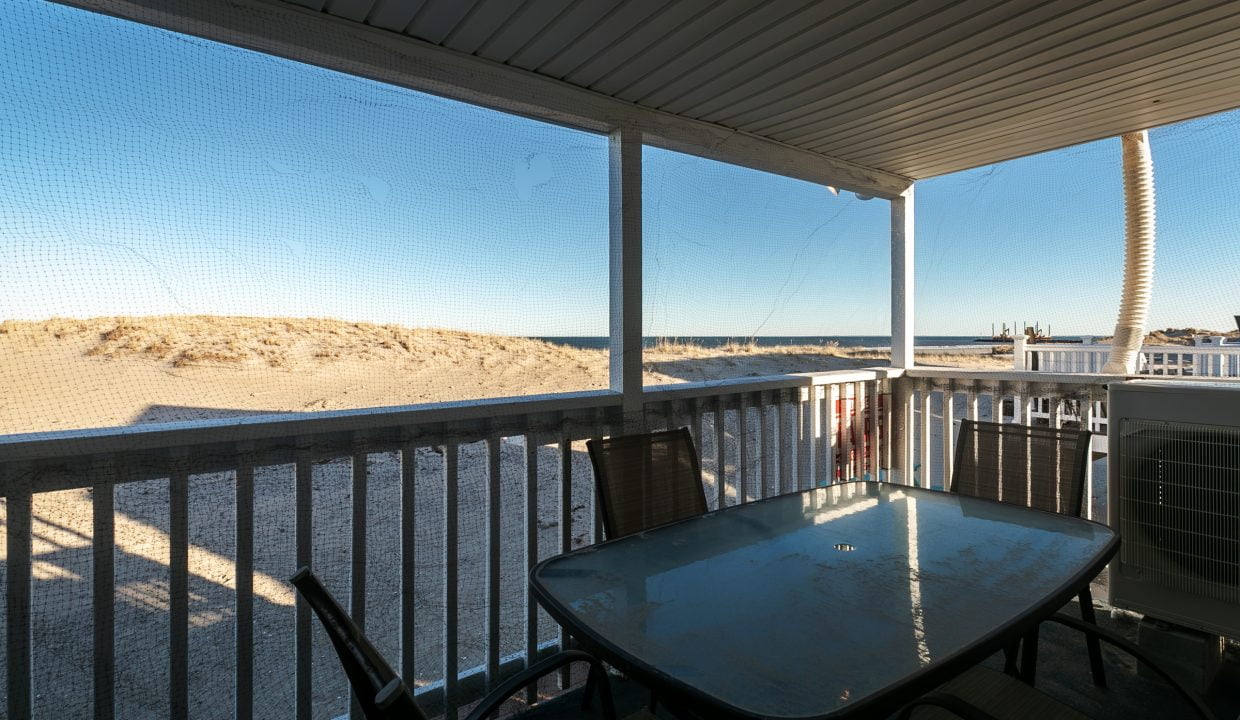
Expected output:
{"points": [[1063, 672]]}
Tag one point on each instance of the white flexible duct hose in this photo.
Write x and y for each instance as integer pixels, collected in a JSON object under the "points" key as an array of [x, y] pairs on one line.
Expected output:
{"points": [[1134, 307]]}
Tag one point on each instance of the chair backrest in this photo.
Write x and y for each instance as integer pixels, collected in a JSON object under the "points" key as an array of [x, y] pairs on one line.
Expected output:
{"points": [[380, 692], [1039, 467], [646, 480]]}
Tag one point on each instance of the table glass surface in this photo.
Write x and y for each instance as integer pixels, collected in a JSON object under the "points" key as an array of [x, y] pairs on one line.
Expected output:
{"points": [[805, 604]]}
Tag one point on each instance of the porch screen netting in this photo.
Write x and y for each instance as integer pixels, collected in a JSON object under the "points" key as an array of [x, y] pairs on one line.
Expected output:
{"points": [[193, 233], [1039, 241]]}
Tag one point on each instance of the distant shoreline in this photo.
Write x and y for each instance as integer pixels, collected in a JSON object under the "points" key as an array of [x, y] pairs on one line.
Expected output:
{"points": [[877, 342]]}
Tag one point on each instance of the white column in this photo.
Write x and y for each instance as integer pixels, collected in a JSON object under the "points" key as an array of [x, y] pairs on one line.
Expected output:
{"points": [[902, 279], [625, 200], [902, 334]]}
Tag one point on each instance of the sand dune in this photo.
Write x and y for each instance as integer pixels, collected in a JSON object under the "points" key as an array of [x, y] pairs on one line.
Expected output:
{"points": [[74, 373]]}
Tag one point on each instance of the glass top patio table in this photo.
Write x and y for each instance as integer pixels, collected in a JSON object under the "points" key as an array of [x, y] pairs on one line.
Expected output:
{"points": [[843, 601]]}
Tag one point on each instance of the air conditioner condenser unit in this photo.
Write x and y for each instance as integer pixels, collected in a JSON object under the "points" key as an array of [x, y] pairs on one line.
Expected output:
{"points": [[1174, 497]]}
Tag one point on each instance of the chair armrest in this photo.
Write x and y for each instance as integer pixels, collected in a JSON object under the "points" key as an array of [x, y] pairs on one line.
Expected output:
{"points": [[1131, 648], [489, 704], [949, 702]]}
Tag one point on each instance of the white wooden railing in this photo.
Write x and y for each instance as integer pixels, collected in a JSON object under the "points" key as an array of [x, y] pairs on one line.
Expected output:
{"points": [[1178, 360], [145, 566]]}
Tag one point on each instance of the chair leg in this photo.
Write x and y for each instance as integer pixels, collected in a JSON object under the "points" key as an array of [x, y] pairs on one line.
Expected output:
{"points": [[1029, 655], [1086, 601], [587, 693], [1010, 652], [597, 679]]}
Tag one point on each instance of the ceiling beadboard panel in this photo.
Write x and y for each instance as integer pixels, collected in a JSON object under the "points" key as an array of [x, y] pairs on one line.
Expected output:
{"points": [[918, 88]]}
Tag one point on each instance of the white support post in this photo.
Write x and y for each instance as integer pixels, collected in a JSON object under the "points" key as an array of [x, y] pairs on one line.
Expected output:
{"points": [[902, 332], [1018, 352], [902, 280], [625, 200]]}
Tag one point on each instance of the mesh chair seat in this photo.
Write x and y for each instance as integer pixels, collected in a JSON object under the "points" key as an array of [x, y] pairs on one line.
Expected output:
{"points": [[646, 480]]}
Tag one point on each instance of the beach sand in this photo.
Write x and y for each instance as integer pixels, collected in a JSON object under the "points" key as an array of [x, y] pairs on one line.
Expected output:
{"points": [[66, 373]]}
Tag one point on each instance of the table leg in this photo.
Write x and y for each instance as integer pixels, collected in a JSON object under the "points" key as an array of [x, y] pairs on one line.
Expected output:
{"points": [[1095, 649], [1029, 655]]}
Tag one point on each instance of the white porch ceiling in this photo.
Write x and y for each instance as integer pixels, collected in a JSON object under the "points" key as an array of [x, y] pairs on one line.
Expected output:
{"points": [[916, 88], [895, 89]]}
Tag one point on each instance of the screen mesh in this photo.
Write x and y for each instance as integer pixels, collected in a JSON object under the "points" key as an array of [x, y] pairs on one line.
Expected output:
{"points": [[227, 233]]}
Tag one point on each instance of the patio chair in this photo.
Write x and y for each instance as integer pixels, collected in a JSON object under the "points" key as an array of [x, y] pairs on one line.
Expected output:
{"points": [[1038, 467], [646, 480], [985, 694], [383, 695]]}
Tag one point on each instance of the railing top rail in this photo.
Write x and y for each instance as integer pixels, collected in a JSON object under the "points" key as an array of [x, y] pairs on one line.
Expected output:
{"points": [[1185, 349], [128, 438], [658, 393], [257, 428], [1016, 376], [1045, 378]]}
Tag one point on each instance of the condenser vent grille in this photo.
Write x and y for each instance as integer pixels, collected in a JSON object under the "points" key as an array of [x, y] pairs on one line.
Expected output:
{"points": [[1179, 510]]}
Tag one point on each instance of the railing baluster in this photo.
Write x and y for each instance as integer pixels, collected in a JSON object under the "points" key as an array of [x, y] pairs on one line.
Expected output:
{"points": [[949, 435], [765, 445], [178, 588], [844, 416], [786, 479], [818, 435], [861, 408], [408, 557], [304, 470], [873, 409], [805, 436], [19, 521], [105, 474], [924, 441], [698, 430], [742, 447], [357, 572], [566, 525], [245, 585], [494, 470], [831, 395], [451, 484], [721, 451], [889, 399], [602, 428], [531, 557]]}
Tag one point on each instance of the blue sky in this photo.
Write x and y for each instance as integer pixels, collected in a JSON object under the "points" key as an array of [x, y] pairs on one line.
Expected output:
{"points": [[146, 173]]}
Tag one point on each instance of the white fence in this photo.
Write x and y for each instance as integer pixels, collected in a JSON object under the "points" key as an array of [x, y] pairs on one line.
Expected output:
{"points": [[1178, 360], [146, 566]]}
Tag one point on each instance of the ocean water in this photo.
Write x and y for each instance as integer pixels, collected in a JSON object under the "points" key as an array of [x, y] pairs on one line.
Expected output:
{"points": [[771, 340]]}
